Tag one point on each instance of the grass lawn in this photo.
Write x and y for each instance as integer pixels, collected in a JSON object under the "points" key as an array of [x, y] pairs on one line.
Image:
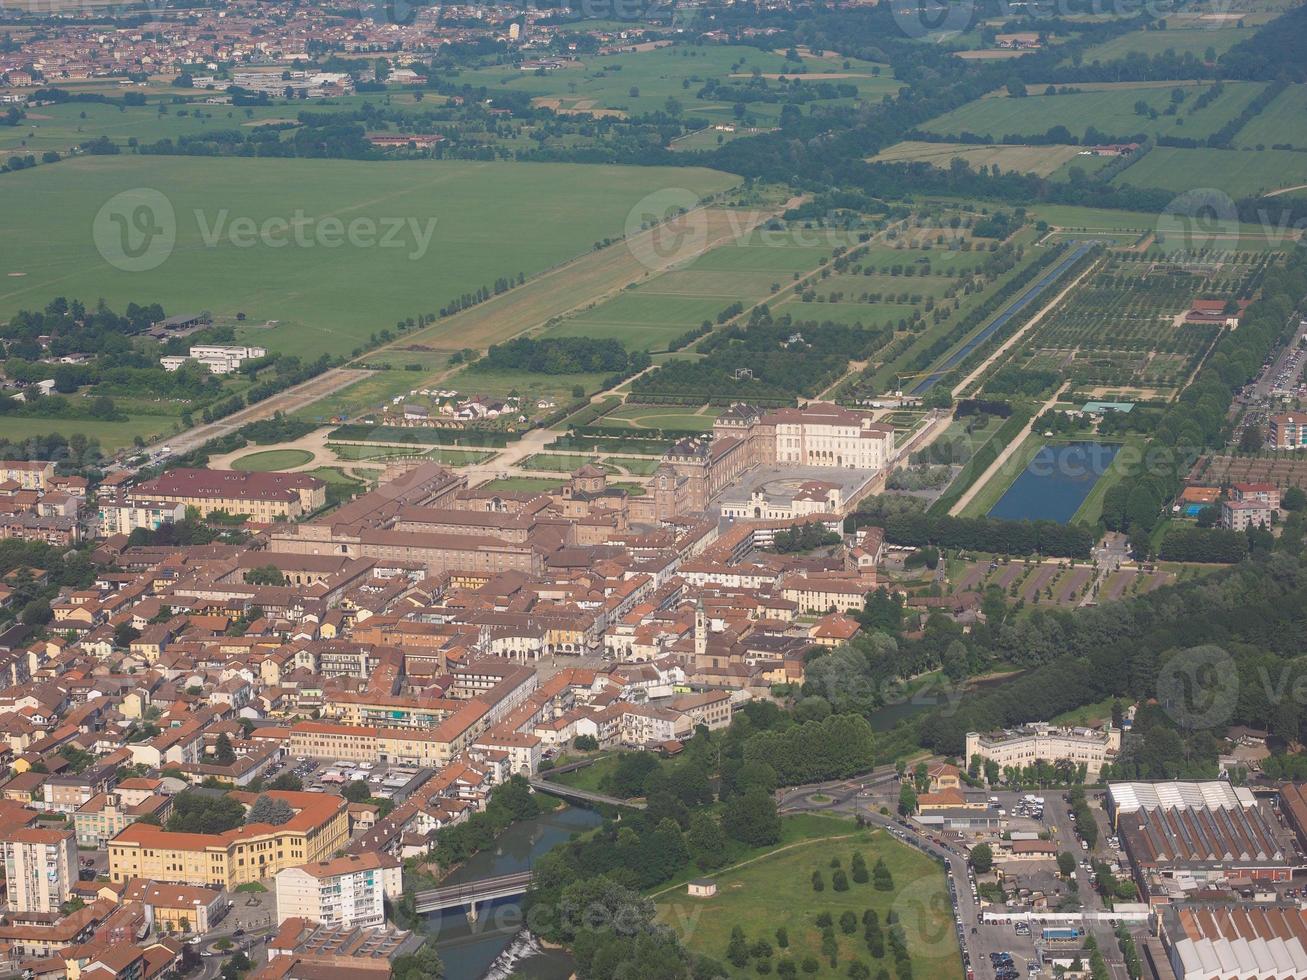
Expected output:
{"points": [[112, 436], [1284, 121], [459, 457], [1111, 112], [554, 463], [1086, 714], [354, 453], [273, 460], [774, 890], [449, 227], [1240, 173], [659, 417], [1195, 41], [522, 484], [1042, 160], [634, 464]]}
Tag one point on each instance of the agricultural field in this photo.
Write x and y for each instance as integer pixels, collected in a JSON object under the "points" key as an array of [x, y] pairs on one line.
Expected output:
{"points": [[761, 895], [1239, 173], [62, 127], [368, 394], [1124, 325], [649, 314], [1282, 123], [1112, 112], [634, 83], [1200, 40], [1042, 160], [328, 297]]}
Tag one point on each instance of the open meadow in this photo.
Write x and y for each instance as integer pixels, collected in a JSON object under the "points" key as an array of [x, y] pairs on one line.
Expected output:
{"points": [[1239, 173], [1113, 112], [452, 227]]}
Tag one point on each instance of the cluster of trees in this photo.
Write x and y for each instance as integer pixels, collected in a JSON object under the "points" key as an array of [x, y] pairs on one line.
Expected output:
{"points": [[811, 751], [1205, 544], [804, 537], [919, 528], [565, 355], [203, 813], [772, 358]]}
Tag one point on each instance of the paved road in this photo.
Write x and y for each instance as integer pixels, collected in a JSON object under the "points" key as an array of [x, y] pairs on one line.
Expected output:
{"points": [[290, 400]]}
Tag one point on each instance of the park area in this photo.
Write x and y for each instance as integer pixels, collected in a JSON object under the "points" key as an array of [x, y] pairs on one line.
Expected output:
{"points": [[772, 896], [271, 238]]}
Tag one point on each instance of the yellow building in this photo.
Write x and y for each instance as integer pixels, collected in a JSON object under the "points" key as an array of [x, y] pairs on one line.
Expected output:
{"points": [[319, 828]]}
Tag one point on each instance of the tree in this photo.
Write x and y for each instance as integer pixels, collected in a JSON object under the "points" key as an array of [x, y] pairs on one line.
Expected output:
{"points": [[818, 882], [706, 841], [269, 809], [982, 858], [423, 964], [356, 791], [223, 753], [1294, 499], [737, 950], [585, 743], [783, 938], [848, 922], [840, 881], [907, 800], [287, 781], [1066, 864], [858, 867], [752, 819], [881, 876], [195, 813], [124, 633]]}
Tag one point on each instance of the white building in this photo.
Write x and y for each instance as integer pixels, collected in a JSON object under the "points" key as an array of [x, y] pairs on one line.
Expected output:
{"points": [[124, 517], [217, 358], [40, 868], [828, 435], [1020, 747], [348, 891]]}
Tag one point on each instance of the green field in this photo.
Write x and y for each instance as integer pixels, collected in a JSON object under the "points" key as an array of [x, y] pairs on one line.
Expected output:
{"points": [[1239, 173], [112, 436], [775, 890], [1196, 41], [556, 462], [273, 460], [643, 81], [1042, 160], [328, 290], [61, 127], [1109, 111], [522, 484], [658, 417], [1282, 123]]}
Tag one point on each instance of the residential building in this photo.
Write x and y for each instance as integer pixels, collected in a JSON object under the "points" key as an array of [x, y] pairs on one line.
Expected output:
{"points": [[40, 868], [264, 497], [1288, 431], [347, 892]]}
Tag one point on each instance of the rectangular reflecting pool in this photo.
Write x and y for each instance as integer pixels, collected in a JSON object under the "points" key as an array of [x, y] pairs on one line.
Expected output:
{"points": [[1055, 482]]}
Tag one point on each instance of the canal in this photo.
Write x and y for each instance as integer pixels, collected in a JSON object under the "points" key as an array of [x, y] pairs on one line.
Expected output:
{"points": [[1055, 482], [495, 945]]}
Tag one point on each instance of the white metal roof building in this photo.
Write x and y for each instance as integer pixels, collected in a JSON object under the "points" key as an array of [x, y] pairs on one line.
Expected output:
{"points": [[1244, 942], [1209, 794]]}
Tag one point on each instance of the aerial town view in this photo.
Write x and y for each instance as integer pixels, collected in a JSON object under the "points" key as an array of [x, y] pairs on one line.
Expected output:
{"points": [[653, 490]]}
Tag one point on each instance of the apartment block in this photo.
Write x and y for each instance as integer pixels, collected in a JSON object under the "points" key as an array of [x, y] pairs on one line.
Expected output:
{"points": [[40, 868], [347, 892]]}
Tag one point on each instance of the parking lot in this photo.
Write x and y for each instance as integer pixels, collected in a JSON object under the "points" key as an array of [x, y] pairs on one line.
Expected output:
{"points": [[385, 780]]}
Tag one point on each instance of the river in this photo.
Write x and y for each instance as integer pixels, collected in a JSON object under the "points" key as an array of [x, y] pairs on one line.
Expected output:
{"points": [[496, 946]]}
